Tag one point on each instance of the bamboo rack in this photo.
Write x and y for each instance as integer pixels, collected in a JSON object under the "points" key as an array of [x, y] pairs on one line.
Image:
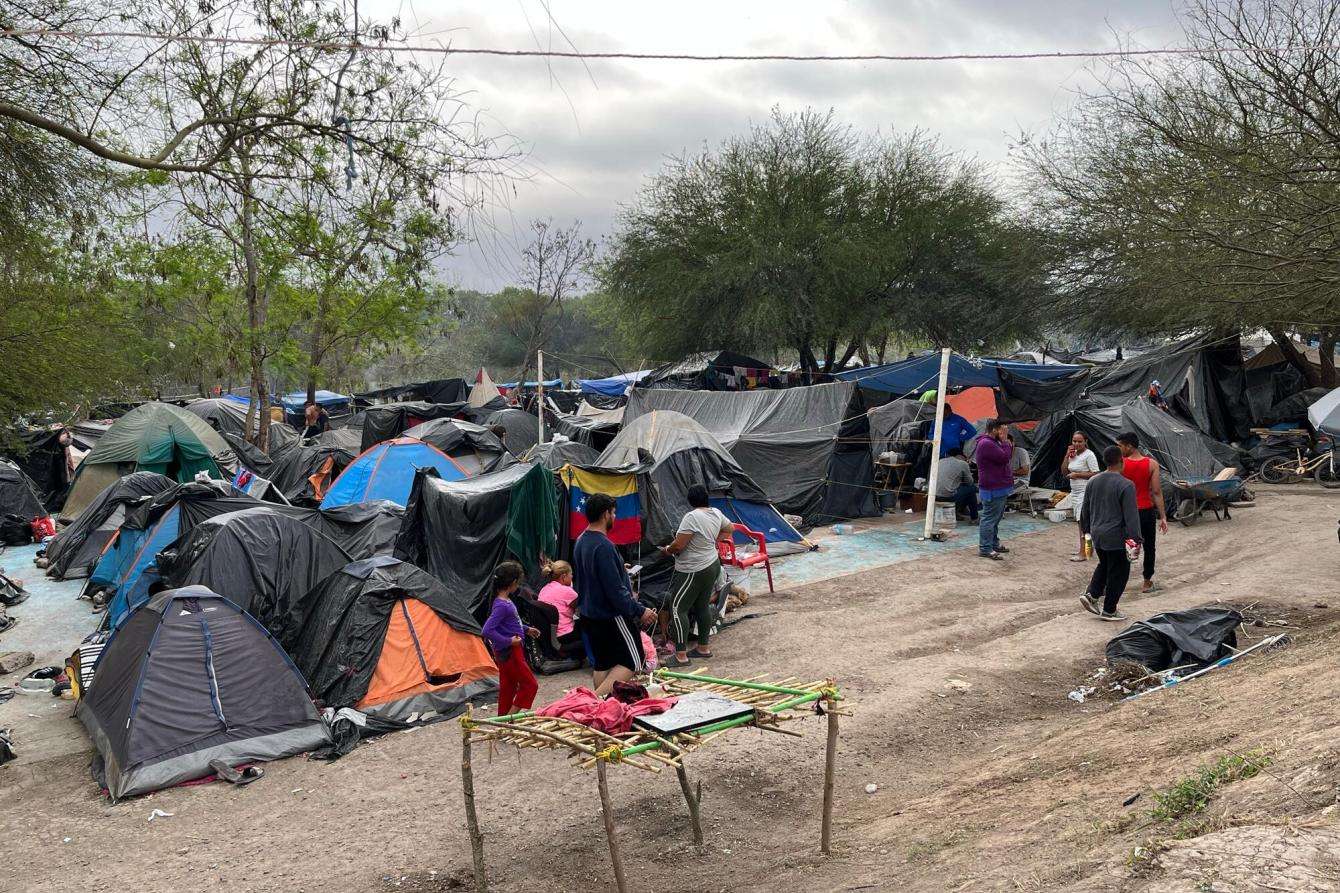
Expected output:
{"points": [[774, 702]]}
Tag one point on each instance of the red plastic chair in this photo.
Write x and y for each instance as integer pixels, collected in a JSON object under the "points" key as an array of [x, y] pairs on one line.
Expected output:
{"points": [[730, 558]]}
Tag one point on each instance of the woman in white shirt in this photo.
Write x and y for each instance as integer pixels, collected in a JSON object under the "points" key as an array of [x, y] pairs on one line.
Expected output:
{"points": [[1081, 464]]}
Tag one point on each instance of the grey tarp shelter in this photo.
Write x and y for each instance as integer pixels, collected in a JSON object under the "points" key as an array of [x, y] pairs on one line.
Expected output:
{"points": [[18, 494], [190, 678]]}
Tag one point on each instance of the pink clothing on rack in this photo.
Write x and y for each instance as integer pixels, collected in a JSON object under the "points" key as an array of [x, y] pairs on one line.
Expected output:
{"points": [[612, 717]]}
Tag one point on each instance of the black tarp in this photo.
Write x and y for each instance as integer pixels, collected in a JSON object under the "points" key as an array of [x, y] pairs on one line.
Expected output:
{"points": [[339, 646], [442, 390], [557, 453], [363, 529], [800, 445], [40, 455], [391, 420], [522, 429], [477, 449], [457, 530], [266, 559], [18, 495], [594, 433], [1192, 638], [251, 456], [698, 371], [292, 472], [76, 548], [230, 417]]}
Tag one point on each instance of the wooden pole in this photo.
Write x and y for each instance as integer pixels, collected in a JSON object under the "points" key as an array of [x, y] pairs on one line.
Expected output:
{"points": [[830, 768], [539, 390], [471, 819], [608, 811], [692, 801], [934, 476]]}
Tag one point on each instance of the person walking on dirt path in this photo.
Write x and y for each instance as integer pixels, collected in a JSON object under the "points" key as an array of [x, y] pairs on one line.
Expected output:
{"points": [[1080, 465], [697, 567], [995, 481], [505, 634], [1143, 470], [610, 615], [1110, 517]]}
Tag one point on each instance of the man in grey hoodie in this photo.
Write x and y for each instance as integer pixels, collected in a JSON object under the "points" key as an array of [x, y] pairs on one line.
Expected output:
{"points": [[1110, 517]]}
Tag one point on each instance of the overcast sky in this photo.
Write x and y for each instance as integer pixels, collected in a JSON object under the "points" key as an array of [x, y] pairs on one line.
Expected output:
{"points": [[592, 136]]}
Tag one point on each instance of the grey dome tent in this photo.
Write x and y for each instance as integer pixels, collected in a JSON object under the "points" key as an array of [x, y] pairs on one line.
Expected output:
{"points": [[188, 679], [476, 448], [76, 548], [554, 454], [523, 429]]}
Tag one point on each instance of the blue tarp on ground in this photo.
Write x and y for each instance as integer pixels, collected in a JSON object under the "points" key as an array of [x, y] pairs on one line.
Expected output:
{"points": [[759, 517], [916, 374], [386, 471], [614, 386]]}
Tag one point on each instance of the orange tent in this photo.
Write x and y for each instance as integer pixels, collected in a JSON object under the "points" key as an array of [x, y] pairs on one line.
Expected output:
{"points": [[422, 659]]}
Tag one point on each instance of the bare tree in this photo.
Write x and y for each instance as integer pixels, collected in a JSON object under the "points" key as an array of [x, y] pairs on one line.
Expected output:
{"points": [[554, 266]]}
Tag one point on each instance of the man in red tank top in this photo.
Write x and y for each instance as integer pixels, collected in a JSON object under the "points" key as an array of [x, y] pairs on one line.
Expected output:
{"points": [[1143, 471]]}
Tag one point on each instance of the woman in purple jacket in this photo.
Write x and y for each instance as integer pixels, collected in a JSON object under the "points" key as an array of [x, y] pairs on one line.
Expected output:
{"points": [[995, 480]]}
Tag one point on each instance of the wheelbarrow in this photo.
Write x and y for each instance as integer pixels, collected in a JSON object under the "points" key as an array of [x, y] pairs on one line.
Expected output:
{"points": [[1194, 497]]}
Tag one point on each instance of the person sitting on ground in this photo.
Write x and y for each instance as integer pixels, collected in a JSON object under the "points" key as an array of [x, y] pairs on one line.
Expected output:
{"points": [[558, 593], [1019, 465], [955, 431], [503, 632], [954, 484], [610, 614], [1080, 465], [1110, 517], [697, 567], [994, 483]]}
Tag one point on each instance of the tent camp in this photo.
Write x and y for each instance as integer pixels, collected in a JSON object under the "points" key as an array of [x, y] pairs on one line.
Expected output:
{"points": [[127, 570], [40, 453], [474, 447], [593, 431], [441, 390], [157, 437], [188, 679], [76, 548], [614, 386], [391, 420], [459, 530], [266, 559], [724, 370], [1182, 450], [915, 375], [386, 471], [388, 639], [806, 447], [18, 494], [670, 452], [522, 429], [560, 451], [305, 471]]}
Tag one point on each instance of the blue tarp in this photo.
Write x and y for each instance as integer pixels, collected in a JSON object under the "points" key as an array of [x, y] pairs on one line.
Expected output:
{"points": [[128, 566], [916, 374], [759, 517], [294, 403], [614, 386], [386, 471], [554, 383]]}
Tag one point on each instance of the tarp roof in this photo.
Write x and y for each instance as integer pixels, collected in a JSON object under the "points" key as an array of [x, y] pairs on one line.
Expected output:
{"points": [[613, 386], [295, 401], [917, 374]]}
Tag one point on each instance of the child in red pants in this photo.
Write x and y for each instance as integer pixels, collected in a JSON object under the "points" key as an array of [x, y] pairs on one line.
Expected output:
{"points": [[503, 631]]}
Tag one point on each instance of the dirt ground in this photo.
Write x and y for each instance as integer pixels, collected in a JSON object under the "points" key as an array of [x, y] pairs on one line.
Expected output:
{"points": [[996, 782]]}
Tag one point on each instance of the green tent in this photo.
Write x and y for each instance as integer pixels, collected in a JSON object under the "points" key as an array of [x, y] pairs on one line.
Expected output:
{"points": [[156, 437]]}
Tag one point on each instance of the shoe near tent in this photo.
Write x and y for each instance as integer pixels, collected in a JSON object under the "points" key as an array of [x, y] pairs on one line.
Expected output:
{"points": [[806, 447], [474, 447], [77, 547], [460, 530], [386, 471], [682, 453], [1183, 451], [156, 437], [18, 494], [187, 679], [265, 558], [388, 639]]}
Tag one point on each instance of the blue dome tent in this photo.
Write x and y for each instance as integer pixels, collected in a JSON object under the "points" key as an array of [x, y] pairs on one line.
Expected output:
{"points": [[386, 471]]}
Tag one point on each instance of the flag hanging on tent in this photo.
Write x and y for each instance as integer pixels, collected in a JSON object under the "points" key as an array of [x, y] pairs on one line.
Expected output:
{"points": [[627, 527]]}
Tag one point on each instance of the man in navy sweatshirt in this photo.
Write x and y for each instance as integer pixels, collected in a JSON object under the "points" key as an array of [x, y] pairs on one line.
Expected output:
{"points": [[610, 614]]}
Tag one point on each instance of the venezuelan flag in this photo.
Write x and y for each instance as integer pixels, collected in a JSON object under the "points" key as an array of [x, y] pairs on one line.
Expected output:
{"points": [[627, 527]]}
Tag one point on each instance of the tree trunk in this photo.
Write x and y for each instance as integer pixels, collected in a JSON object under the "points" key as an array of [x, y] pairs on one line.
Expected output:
{"points": [[1296, 358], [807, 360], [847, 354], [314, 350], [260, 394], [1327, 357], [830, 354]]}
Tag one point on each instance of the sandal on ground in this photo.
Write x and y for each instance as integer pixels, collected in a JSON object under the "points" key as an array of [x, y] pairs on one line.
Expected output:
{"points": [[1153, 587], [674, 661], [1078, 558], [699, 654], [994, 556]]}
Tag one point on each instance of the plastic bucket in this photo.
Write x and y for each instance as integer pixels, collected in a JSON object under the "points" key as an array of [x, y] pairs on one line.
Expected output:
{"points": [[945, 517]]}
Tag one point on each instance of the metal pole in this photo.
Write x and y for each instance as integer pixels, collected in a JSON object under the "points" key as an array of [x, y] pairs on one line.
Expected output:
{"points": [[539, 390], [935, 445]]}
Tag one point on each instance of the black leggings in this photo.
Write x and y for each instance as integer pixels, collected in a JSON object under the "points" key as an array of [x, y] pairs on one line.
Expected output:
{"points": [[1149, 529], [1109, 577]]}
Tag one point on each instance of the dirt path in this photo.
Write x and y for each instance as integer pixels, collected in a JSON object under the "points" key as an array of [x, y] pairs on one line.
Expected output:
{"points": [[1006, 785]]}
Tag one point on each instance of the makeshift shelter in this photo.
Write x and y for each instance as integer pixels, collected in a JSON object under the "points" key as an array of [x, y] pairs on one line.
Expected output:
{"points": [[807, 448], [295, 404], [76, 547], [305, 471], [594, 432], [362, 529], [670, 452], [388, 639], [1183, 451], [522, 429], [42, 455], [390, 420], [915, 375], [615, 385], [484, 392], [459, 530], [157, 437], [266, 559], [441, 390], [611, 414], [474, 447], [18, 494], [187, 680], [725, 370], [127, 569], [386, 471], [560, 451]]}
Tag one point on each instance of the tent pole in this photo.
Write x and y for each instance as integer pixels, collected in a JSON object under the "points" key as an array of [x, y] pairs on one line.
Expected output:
{"points": [[607, 811], [830, 769], [935, 443], [539, 389], [471, 818], [692, 801]]}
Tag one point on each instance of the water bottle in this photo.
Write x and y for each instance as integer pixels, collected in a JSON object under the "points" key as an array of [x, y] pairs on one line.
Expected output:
{"points": [[842, 529], [1088, 545]]}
